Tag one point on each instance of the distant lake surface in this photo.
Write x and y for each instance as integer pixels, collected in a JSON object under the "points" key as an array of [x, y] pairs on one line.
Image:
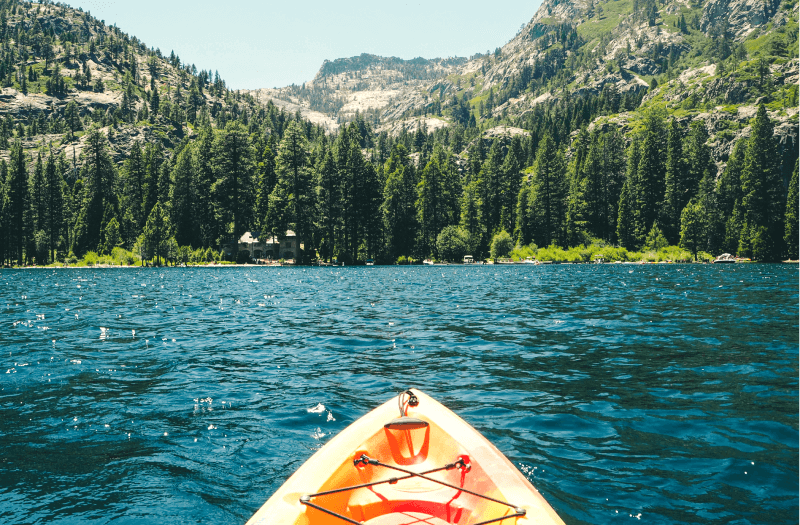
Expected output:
{"points": [[625, 393]]}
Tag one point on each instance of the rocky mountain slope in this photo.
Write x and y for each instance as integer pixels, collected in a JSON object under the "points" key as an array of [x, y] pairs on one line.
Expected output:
{"points": [[707, 59], [64, 71]]}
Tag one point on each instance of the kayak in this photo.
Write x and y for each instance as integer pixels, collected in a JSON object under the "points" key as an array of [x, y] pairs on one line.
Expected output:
{"points": [[409, 461]]}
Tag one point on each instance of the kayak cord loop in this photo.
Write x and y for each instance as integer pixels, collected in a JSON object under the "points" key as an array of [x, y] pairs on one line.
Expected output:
{"points": [[413, 401], [366, 460]]}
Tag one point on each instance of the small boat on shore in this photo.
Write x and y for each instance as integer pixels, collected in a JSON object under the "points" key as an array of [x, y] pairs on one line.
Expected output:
{"points": [[423, 465]]}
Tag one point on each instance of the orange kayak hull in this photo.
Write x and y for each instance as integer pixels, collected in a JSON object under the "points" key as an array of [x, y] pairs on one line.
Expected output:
{"points": [[483, 486]]}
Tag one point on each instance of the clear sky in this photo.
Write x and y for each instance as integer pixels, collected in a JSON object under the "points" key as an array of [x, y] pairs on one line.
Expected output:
{"points": [[261, 44]]}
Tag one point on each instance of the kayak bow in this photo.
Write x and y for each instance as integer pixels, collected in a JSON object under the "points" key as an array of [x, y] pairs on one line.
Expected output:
{"points": [[427, 466]]}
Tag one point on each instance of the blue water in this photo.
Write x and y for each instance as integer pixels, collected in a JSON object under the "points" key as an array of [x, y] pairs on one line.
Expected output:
{"points": [[656, 394]]}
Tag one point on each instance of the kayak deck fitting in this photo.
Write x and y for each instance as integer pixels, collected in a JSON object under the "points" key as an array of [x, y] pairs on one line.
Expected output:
{"points": [[426, 466]]}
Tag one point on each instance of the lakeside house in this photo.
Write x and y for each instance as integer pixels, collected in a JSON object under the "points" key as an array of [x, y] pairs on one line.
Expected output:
{"points": [[266, 247]]}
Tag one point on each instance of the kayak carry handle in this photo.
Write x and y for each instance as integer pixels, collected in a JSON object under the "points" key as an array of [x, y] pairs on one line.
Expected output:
{"points": [[406, 423]]}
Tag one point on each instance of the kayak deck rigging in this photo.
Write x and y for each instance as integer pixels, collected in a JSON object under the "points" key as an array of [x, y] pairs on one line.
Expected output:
{"points": [[461, 463]]}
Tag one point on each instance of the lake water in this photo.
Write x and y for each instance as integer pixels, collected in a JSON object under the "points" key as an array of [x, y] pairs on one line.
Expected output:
{"points": [[656, 394]]}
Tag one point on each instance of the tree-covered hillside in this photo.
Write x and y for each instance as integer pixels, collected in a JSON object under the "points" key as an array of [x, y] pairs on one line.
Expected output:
{"points": [[619, 123]]}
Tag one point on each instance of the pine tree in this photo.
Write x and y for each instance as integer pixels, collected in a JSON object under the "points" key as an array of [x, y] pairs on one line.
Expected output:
{"points": [[429, 207], [153, 160], [762, 189], [471, 219], [208, 224], [4, 208], [54, 197], [676, 192], [698, 157], [157, 233], [328, 199], [38, 194], [791, 231], [693, 230], [133, 183], [182, 199], [577, 207], [292, 197], [511, 184], [111, 235], [399, 203], [596, 183], [626, 217], [614, 175], [549, 195], [490, 179], [266, 181], [18, 192], [99, 197], [729, 195], [650, 174]]}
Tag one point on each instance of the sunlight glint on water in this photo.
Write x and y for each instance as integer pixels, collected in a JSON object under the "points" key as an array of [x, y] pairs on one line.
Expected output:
{"points": [[660, 394]]}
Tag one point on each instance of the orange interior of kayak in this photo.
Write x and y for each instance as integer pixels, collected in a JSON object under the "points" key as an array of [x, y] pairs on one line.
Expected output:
{"points": [[438, 438]]}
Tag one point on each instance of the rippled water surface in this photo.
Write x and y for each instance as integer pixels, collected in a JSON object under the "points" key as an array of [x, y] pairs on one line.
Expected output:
{"points": [[658, 394]]}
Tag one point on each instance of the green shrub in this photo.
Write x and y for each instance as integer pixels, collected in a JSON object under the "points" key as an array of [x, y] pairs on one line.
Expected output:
{"points": [[90, 259]]}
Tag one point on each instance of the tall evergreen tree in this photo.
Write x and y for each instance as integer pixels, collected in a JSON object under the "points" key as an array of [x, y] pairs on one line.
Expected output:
{"points": [[291, 200], [729, 196], [791, 232], [511, 184], [399, 203], [153, 159], [157, 231], [266, 180], [650, 174], [597, 181], [762, 193], [548, 197], [18, 192], [693, 231], [626, 217], [471, 219], [4, 208], [490, 179], [208, 224], [54, 196], [183, 199], [677, 193], [430, 212], [614, 176], [698, 157], [328, 199], [99, 197], [133, 185]]}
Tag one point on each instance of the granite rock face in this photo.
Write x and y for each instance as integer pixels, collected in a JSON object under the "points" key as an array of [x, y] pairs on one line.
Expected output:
{"points": [[741, 16]]}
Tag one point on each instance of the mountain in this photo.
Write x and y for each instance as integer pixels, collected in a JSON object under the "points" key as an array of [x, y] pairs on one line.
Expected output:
{"points": [[709, 59], [601, 125], [61, 64]]}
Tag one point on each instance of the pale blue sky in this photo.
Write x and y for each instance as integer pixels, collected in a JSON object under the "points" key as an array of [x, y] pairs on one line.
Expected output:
{"points": [[273, 44]]}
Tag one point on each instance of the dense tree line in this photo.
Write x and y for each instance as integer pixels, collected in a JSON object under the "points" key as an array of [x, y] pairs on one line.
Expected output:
{"points": [[228, 164], [359, 195]]}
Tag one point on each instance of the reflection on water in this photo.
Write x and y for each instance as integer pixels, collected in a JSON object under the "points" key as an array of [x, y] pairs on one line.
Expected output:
{"points": [[665, 394]]}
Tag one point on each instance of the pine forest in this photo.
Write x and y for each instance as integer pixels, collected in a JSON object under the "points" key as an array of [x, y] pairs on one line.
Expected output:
{"points": [[108, 146]]}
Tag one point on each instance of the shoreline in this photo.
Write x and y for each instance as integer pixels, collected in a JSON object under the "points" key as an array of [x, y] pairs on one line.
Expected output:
{"points": [[547, 263]]}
